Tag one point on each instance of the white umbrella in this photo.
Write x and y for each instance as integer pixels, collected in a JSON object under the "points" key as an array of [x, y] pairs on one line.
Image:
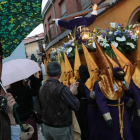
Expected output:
{"points": [[18, 69]]}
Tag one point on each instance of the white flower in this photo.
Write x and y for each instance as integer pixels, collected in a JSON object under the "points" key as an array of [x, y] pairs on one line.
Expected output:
{"points": [[70, 41], [66, 43], [93, 44], [58, 50], [105, 44], [54, 51], [131, 45], [134, 25], [102, 42], [114, 43], [73, 38], [110, 33], [134, 37], [130, 26], [69, 50], [100, 38], [119, 27], [113, 25], [121, 39], [73, 44]]}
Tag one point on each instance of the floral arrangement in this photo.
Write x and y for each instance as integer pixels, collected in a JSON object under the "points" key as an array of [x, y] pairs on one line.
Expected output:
{"points": [[122, 38], [69, 48]]}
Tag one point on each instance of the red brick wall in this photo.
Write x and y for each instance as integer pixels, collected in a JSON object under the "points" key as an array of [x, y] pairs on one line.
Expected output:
{"points": [[46, 23], [95, 1], [72, 6]]}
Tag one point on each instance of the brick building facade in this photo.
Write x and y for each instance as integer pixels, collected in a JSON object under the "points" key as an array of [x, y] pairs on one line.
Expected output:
{"points": [[120, 11], [57, 9], [33, 47]]}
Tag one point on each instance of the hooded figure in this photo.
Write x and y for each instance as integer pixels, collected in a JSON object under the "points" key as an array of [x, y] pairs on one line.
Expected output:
{"points": [[124, 63], [92, 68], [81, 114], [128, 69], [113, 121], [135, 83], [63, 72], [77, 64], [114, 64], [91, 103], [68, 70]]}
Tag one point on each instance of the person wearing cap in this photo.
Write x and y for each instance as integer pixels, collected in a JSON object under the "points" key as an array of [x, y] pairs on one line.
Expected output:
{"points": [[113, 120], [78, 21]]}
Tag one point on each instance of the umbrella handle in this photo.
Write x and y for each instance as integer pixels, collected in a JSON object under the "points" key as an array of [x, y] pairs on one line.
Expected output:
{"points": [[17, 117], [14, 109]]}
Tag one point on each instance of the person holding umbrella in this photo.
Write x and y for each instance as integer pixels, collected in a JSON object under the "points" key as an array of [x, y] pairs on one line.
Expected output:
{"points": [[9, 130], [23, 95], [13, 73]]}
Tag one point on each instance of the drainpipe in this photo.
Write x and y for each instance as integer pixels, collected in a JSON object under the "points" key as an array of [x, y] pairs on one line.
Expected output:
{"points": [[51, 1]]}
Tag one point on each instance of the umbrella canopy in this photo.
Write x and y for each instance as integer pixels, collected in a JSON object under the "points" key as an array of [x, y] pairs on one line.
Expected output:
{"points": [[17, 19], [16, 70]]}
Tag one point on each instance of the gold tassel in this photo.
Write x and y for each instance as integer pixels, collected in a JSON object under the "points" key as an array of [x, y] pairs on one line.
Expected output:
{"points": [[121, 118]]}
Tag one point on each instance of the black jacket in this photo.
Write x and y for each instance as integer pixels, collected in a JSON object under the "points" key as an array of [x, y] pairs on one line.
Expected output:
{"points": [[56, 112], [23, 96]]}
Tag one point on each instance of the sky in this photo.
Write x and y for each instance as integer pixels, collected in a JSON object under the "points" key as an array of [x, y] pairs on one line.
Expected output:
{"points": [[39, 29]]}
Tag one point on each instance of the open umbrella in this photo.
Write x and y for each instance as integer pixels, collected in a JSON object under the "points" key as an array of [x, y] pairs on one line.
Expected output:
{"points": [[17, 19], [16, 70]]}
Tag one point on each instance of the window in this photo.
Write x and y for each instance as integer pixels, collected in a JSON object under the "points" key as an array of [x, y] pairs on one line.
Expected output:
{"points": [[50, 32], [63, 8], [63, 12], [85, 3]]}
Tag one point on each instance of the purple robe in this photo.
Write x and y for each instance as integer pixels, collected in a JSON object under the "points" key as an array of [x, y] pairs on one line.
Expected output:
{"points": [[126, 98], [136, 119], [105, 132], [74, 23], [136, 94], [81, 114], [92, 112]]}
